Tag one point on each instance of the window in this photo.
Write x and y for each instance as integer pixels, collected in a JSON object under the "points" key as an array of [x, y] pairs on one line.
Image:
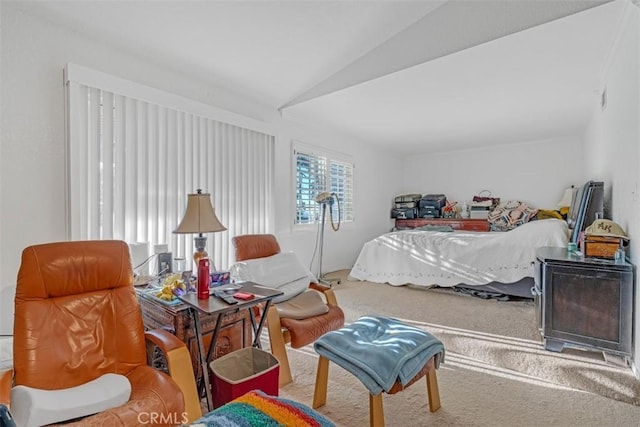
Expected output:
{"points": [[318, 172], [135, 153]]}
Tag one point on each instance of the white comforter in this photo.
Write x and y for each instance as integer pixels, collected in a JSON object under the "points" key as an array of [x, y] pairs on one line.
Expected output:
{"points": [[450, 258]]}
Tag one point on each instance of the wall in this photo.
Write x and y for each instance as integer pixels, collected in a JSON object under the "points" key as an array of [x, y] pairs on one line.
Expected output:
{"points": [[535, 172], [375, 182], [34, 53], [612, 139]]}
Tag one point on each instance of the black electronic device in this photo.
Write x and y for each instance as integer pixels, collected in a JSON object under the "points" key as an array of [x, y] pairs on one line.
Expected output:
{"points": [[404, 213], [429, 212], [407, 201], [225, 297], [433, 200]]}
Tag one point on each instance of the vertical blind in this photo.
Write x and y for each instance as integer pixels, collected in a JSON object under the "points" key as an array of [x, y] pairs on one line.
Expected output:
{"points": [[317, 173], [132, 163]]}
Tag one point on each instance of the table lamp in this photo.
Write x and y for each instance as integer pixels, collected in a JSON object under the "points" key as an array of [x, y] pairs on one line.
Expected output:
{"points": [[199, 217], [567, 197]]}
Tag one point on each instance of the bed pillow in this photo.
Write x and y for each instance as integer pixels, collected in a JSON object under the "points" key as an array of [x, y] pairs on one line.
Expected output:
{"points": [[510, 215]]}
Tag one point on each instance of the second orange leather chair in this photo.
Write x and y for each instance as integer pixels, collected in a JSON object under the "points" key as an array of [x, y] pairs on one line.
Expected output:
{"points": [[295, 321]]}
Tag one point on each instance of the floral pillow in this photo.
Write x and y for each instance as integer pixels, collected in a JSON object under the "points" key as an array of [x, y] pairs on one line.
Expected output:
{"points": [[510, 215]]}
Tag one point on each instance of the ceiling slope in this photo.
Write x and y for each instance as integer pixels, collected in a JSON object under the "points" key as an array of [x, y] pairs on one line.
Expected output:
{"points": [[451, 27], [536, 84]]}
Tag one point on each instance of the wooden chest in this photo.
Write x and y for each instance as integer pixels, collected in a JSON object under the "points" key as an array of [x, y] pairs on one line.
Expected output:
{"points": [[600, 246], [455, 223], [235, 332]]}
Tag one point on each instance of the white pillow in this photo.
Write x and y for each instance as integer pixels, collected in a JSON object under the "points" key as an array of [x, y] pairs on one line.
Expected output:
{"points": [[283, 271], [35, 407]]}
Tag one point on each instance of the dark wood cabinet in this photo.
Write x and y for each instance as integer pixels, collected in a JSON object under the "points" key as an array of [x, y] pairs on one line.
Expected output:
{"points": [[455, 223], [235, 332], [586, 302]]}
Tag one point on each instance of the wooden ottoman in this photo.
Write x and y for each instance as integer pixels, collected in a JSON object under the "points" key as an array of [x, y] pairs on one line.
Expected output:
{"points": [[376, 413]]}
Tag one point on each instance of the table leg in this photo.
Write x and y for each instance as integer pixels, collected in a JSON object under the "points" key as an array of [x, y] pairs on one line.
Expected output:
{"points": [[214, 338], [257, 330], [201, 356]]}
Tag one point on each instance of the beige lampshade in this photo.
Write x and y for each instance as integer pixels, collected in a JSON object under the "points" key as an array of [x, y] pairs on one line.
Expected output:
{"points": [[199, 217], [567, 197]]}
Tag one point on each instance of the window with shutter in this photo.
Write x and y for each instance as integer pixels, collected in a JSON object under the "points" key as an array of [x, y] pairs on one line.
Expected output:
{"points": [[320, 171]]}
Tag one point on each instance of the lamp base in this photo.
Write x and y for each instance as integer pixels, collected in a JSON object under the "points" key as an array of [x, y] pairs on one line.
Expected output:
{"points": [[197, 256], [200, 244]]}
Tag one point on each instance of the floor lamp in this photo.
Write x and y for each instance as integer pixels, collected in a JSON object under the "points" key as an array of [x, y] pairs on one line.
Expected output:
{"points": [[326, 199]]}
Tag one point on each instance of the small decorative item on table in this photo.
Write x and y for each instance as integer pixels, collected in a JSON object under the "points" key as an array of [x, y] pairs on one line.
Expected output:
{"points": [[167, 292], [602, 239], [190, 280], [220, 278], [465, 211], [449, 210]]}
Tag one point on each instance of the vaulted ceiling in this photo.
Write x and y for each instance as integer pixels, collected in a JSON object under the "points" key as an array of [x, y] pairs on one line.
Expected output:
{"points": [[416, 75]]}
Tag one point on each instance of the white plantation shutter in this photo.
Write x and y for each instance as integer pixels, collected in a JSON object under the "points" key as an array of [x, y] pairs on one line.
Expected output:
{"points": [[316, 171], [132, 162], [311, 172], [341, 183]]}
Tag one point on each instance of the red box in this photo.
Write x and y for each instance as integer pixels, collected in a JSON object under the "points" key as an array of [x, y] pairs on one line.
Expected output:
{"points": [[241, 371]]}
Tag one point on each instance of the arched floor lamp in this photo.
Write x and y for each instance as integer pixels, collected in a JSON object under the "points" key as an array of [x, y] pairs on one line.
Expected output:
{"points": [[326, 199]]}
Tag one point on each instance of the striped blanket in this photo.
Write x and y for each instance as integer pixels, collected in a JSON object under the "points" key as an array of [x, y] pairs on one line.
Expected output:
{"points": [[260, 410]]}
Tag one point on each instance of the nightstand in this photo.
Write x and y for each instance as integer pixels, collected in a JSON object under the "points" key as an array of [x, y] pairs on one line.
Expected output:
{"points": [[585, 302]]}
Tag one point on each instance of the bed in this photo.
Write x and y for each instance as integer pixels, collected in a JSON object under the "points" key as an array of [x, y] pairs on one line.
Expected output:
{"points": [[497, 262], [486, 264]]}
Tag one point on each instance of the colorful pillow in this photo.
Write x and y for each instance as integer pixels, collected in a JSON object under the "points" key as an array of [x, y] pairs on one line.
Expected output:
{"points": [[510, 215]]}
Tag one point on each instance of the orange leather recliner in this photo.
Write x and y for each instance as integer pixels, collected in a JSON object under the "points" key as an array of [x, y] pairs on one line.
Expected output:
{"points": [[77, 318], [286, 322]]}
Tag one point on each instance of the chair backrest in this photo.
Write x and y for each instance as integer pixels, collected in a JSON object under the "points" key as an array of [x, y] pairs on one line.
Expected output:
{"points": [[76, 314], [252, 246]]}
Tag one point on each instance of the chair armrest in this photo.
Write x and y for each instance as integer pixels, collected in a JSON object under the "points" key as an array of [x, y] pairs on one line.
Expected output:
{"points": [[319, 287], [164, 340], [180, 368], [329, 295], [6, 380]]}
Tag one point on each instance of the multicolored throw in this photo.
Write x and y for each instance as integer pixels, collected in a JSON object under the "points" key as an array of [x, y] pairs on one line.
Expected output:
{"points": [[255, 408]]}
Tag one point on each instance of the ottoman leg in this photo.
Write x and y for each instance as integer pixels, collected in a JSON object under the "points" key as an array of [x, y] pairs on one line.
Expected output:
{"points": [[376, 413], [322, 379], [432, 390]]}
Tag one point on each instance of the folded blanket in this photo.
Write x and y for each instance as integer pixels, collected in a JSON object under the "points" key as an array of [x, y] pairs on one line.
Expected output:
{"points": [[256, 409], [380, 351]]}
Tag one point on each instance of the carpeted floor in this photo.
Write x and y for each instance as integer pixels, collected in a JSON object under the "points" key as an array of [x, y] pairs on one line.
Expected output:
{"points": [[496, 372]]}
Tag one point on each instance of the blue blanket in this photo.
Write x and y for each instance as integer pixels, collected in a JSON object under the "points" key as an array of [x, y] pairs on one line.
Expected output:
{"points": [[380, 350]]}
